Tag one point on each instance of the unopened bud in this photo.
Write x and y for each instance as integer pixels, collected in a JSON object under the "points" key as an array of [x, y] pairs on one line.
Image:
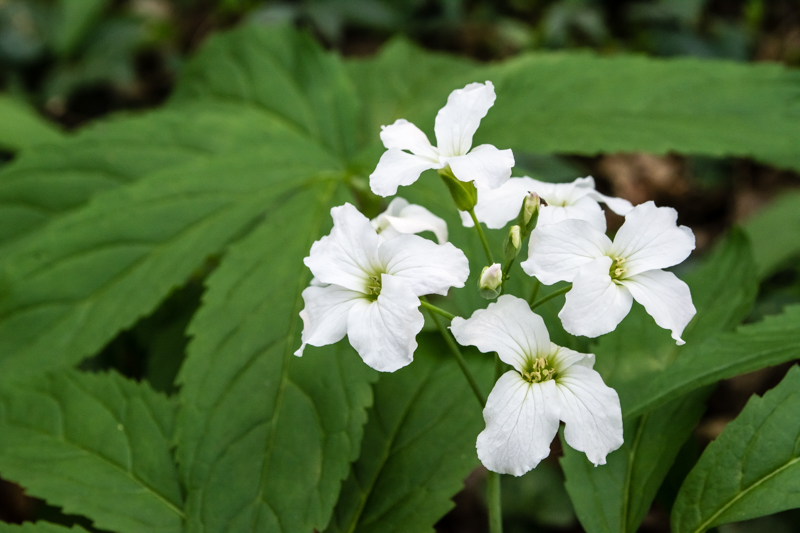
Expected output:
{"points": [[464, 194], [491, 281], [513, 243], [529, 213]]}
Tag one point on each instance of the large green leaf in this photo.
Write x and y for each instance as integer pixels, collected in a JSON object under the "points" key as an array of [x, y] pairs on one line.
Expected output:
{"points": [[266, 438], [614, 498], [38, 527], [775, 233], [418, 447], [639, 354], [752, 469], [97, 445], [76, 283], [723, 292], [22, 128], [76, 19]]}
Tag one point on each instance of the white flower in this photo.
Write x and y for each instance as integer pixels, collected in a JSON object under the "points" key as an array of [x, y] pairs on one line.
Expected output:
{"points": [[370, 290], [578, 199], [549, 383], [607, 275], [455, 125], [401, 217]]}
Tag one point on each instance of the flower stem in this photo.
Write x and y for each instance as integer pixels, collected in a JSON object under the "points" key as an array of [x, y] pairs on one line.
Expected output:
{"points": [[451, 343], [437, 310], [494, 503], [484, 242], [550, 296]]}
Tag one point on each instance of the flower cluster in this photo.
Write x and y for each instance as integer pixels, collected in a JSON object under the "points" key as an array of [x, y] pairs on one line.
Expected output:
{"points": [[369, 276]]}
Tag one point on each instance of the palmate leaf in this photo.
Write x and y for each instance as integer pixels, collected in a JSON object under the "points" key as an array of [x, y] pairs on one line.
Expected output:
{"points": [[419, 445], [752, 469], [614, 498], [21, 128], [266, 437], [97, 445]]}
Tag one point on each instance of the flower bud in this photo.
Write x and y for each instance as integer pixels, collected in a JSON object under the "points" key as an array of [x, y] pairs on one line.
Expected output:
{"points": [[491, 281], [529, 213], [464, 194], [513, 243]]}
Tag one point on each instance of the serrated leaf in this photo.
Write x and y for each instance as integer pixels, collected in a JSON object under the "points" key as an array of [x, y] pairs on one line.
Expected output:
{"points": [[96, 445], [281, 72], [614, 498], [265, 437], [133, 245], [775, 233], [22, 128], [38, 527], [752, 469], [639, 354], [419, 445]]}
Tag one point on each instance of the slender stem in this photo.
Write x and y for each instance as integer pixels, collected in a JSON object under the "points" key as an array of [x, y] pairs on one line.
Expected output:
{"points": [[550, 296], [451, 343], [534, 292], [437, 310], [494, 503], [484, 242]]}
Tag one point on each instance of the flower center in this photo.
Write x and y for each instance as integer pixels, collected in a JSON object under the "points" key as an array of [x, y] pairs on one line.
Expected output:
{"points": [[373, 288], [617, 270], [538, 370]]}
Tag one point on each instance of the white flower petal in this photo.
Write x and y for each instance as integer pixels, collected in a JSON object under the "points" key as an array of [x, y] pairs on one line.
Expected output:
{"points": [[346, 255], [416, 219], [325, 314], [521, 421], [563, 358], [591, 412], [583, 209], [651, 239], [458, 120], [595, 304], [496, 207], [485, 165], [619, 205], [666, 298], [397, 168], [558, 251], [403, 135], [384, 332], [426, 267], [507, 327]]}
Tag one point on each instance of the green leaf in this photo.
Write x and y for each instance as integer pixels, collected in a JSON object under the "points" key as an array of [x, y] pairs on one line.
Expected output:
{"points": [[22, 128], [752, 469], [419, 445], [45, 182], [77, 18], [124, 251], [282, 73], [266, 438], [38, 527], [96, 445], [775, 233], [638, 355], [614, 498]]}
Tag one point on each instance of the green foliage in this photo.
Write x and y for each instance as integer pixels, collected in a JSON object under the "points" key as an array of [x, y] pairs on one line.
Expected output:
{"points": [[97, 445], [419, 444], [38, 527], [775, 234], [265, 438], [76, 17], [21, 127], [751, 469]]}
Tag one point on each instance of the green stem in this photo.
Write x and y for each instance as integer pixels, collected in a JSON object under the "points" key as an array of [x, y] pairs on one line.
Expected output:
{"points": [[484, 242], [437, 310], [494, 503], [534, 292], [550, 296], [451, 343]]}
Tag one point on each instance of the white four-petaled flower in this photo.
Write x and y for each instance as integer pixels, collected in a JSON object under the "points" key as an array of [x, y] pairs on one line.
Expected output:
{"points": [[549, 383], [369, 290], [578, 199], [607, 276], [402, 217], [455, 125]]}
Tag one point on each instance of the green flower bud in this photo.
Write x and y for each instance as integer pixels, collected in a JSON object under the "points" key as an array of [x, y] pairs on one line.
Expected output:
{"points": [[529, 213], [464, 194], [491, 281], [513, 243]]}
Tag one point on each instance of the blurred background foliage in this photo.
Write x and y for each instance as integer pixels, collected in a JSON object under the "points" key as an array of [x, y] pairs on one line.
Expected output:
{"points": [[77, 60]]}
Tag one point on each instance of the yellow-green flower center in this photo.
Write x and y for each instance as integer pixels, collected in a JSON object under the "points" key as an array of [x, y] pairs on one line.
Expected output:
{"points": [[538, 370], [617, 270], [373, 288]]}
